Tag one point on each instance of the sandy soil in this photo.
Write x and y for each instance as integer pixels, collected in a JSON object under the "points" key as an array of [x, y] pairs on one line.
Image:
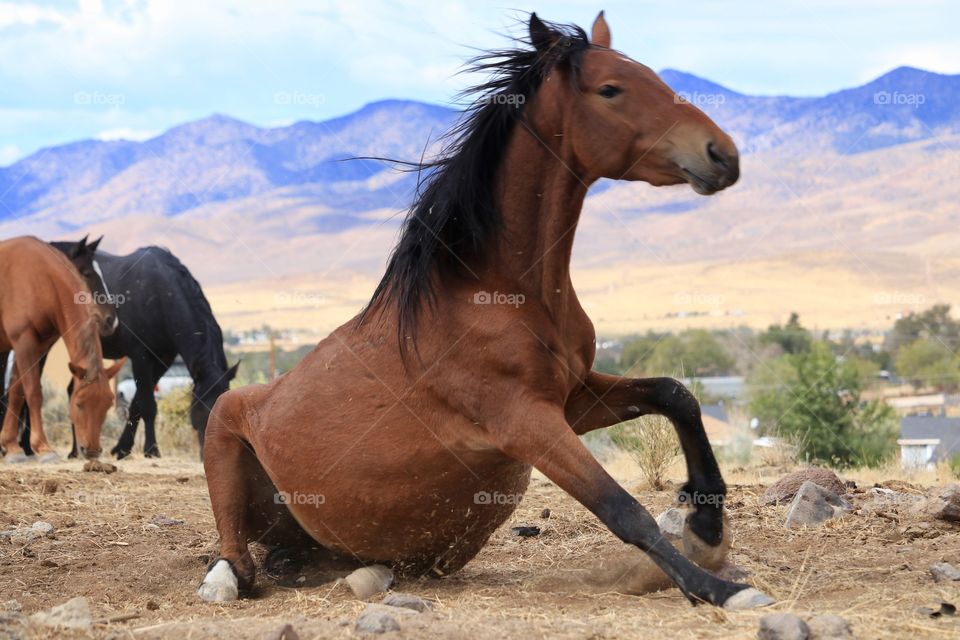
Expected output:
{"points": [[870, 567]]}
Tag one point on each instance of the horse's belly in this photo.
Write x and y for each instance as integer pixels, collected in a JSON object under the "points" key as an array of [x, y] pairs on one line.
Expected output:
{"points": [[431, 521]]}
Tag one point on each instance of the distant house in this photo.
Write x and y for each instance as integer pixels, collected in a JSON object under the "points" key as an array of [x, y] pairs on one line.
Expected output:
{"points": [[927, 440], [716, 423]]}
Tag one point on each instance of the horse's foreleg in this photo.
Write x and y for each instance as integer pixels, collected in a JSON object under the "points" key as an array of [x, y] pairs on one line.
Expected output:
{"points": [[27, 372], [149, 413], [143, 377], [605, 400], [539, 435]]}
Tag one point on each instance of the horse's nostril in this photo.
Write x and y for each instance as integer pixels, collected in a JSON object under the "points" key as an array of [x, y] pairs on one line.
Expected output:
{"points": [[716, 156]]}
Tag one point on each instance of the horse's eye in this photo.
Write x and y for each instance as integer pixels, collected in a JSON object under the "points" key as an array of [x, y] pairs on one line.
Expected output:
{"points": [[609, 91]]}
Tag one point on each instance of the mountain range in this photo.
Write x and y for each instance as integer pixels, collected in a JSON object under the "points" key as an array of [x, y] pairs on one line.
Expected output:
{"points": [[866, 174]]}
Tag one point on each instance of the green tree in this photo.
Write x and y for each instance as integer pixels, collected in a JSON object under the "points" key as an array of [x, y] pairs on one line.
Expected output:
{"points": [[694, 353], [934, 323], [791, 337], [928, 362], [812, 399], [637, 351]]}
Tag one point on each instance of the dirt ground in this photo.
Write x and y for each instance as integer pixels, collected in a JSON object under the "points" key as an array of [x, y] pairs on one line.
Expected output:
{"points": [[872, 567]]}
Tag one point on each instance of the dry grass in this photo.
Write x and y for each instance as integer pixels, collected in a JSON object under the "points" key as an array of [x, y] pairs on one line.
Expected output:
{"points": [[872, 569]]}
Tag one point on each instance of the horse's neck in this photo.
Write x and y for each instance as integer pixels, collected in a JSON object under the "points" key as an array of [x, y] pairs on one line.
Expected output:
{"points": [[80, 333], [540, 201]]}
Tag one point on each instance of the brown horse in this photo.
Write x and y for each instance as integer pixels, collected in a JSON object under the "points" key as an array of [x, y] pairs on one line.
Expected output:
{"points": [[43, 297], [413, 452]]}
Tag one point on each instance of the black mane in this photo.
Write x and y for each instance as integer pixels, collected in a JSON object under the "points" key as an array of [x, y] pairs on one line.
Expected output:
{"points": [[454, 219]]}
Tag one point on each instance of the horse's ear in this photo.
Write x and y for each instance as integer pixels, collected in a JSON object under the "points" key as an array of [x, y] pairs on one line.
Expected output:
{"points": [[232, 371], [600, 35], [77, 371], [542, 37], [92, 247], [112, 371], [78, 247]]}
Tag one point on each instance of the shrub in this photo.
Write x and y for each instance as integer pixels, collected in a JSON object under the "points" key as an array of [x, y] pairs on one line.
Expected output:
{"points": [[652, 442], [174, 430]]}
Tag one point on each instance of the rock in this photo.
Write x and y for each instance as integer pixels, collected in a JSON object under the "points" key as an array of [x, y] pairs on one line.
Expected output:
{"points": [[286, 632], [827, 627], [784, 489], [26, 535], [42, 528], [545, 514], [99, 467], [72, 614], [163, 521], [379, 619], [371, 580], [782, 626], [408, 601], [814, 505], [526, 532], [49, 487], [944, 572], [671, 523], [947, 505], [152, 605]]}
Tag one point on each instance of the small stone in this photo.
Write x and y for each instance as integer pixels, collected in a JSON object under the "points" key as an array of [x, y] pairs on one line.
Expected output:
{"points": [[408, 601], [72, 614], [526, 532], [671, 523], [152, 606], [545, 514], [163, 521], [828, 627], [944, 572], [814, 505], [947, 505], [183, 479], [43, 528], [784, 489], [99, 467], [367, 581], [286, 632], [46, 562], [782, 626], [49, 487], [377, 619]]}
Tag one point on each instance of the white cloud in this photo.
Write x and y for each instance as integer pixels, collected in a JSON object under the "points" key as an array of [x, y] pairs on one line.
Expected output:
{"points": [[125, 133], [9, 154]]}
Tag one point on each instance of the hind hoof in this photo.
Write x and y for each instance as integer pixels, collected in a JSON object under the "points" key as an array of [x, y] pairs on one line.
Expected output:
{"points": [[220, 584], [748, 598]]}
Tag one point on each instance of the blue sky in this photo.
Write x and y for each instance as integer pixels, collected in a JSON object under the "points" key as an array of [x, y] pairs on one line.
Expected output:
{"points": [[133, 68]]}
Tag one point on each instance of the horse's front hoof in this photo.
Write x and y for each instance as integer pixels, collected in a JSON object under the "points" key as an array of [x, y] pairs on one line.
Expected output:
{"points": [[120, 452], [152, 452], [748, 598], [18, 458], [220, 584]]}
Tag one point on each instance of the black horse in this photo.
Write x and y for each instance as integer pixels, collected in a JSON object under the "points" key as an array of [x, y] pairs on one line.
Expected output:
{"points": [[162, 313]]}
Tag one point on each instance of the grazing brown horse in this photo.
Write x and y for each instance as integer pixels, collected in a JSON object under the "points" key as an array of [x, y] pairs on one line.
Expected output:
{"points": [[413, 451], [42, 298]]}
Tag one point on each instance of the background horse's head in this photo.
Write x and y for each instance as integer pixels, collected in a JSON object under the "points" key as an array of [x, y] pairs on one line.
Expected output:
{"points": [[83, 257], [89, 403], [209, 384], [617, 118]]}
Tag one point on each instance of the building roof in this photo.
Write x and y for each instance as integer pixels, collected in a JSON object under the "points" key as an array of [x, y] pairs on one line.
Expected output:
{"points": [[946, 430]]}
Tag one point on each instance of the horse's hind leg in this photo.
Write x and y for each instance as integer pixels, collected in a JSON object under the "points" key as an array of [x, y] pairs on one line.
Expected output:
{"points": [[246, 505]]}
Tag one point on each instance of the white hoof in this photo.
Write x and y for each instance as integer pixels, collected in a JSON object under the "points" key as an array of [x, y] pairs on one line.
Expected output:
{"points": [[747, 599], [220, 584]]}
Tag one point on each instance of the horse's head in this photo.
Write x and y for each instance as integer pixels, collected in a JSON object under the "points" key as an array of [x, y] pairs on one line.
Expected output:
{"points": [[208, 386], [89, 402], [83, 257], [622, 122]]}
